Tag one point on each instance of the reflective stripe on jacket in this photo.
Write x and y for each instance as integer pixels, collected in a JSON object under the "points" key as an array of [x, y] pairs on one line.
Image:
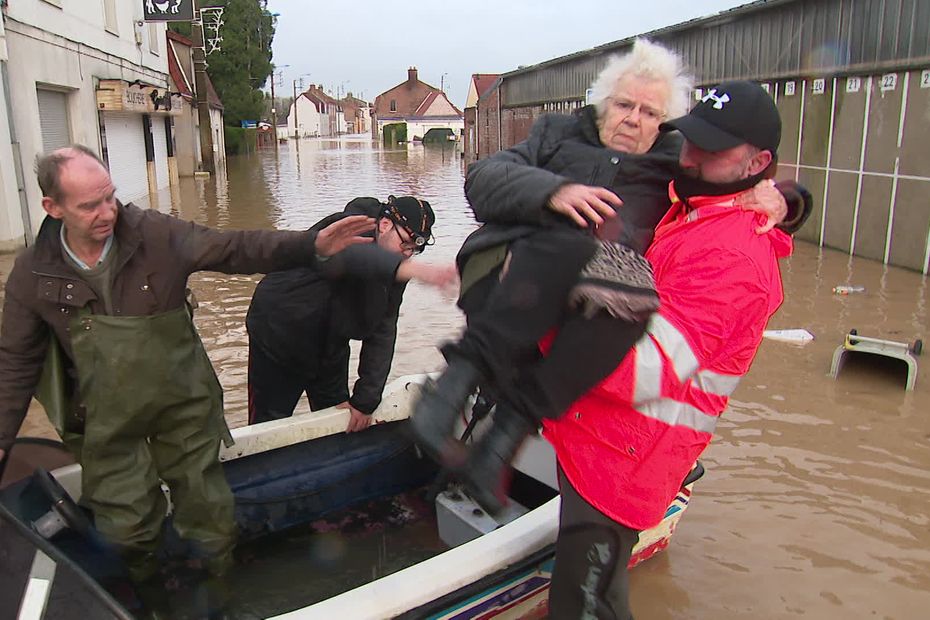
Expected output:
{"points": [[627, 445]]}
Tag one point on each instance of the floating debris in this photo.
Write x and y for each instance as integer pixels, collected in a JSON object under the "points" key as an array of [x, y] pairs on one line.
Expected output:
{"points": [[794, 336], [846, 290]]}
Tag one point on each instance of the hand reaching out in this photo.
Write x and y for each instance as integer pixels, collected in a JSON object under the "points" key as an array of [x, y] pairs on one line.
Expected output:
{"points": [[341, 234]]}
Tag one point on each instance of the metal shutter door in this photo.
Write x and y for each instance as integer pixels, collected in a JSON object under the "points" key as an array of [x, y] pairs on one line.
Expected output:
{"points": [[53, 118], [126, 154], [161, 151]]}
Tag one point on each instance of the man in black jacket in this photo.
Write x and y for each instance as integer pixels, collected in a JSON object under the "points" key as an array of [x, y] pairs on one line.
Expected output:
{"points": [[300, 321]]}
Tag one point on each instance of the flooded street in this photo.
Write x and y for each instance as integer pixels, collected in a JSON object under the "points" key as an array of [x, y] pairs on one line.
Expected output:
{"points": [[816, 501]]}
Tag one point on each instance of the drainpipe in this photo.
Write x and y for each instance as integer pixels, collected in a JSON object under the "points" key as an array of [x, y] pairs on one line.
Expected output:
{"points": [[28, 233], [500, 119]]}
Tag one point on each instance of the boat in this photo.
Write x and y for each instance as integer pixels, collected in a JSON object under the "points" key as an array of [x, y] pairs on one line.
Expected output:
{"points": [[309, 498]]}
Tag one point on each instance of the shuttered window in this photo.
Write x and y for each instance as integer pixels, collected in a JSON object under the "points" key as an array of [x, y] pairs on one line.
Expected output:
{"points": [[53, 118], [109, 16]]}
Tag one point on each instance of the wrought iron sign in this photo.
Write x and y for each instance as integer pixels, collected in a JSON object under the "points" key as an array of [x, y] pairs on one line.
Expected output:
{"points": [[168, 10], [211, 17]]}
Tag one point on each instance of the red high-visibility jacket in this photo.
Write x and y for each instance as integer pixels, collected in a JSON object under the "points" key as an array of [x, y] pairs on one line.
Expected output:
{"points": [[627, 444]]}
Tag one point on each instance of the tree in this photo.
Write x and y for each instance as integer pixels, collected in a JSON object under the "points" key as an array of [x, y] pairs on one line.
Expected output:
{"points": [[241, 66]]}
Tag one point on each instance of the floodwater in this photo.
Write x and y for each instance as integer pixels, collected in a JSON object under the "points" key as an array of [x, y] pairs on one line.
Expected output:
{"points": [[816, 501]]}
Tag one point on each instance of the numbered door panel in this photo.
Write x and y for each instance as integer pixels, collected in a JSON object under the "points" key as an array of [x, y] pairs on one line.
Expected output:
{"points": [[788, 101], [848, 122], [818, 112], [884, 123]]}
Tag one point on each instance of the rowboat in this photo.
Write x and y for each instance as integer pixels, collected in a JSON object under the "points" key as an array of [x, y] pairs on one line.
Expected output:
{"points": [[332, 525]]}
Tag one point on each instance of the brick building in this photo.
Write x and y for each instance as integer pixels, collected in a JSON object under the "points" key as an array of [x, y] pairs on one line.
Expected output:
{"points": [[477, 134], [417, 105]]}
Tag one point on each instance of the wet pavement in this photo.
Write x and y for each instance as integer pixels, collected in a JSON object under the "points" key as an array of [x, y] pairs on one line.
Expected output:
{"points": [[816, 502]]}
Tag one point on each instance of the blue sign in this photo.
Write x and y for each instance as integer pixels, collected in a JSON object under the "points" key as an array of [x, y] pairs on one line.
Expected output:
{"points": [[249, 124]]}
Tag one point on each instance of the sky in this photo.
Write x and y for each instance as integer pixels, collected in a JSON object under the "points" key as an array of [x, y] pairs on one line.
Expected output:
{"points": [[365, 47]]}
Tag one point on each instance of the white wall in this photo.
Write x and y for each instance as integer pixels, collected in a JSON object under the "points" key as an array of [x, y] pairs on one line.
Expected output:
{"points": [[219, 136], [68, 48], [311, 121]]}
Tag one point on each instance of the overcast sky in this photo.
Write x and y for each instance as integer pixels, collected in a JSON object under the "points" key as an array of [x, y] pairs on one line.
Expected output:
{"points": [[365, 47]]}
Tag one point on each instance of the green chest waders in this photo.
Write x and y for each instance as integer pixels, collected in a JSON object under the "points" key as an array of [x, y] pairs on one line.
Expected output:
{"points": [[154, 411]]}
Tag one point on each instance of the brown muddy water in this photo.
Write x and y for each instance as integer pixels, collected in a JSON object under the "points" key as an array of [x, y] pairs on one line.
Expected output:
{"points": [[816, 501]]}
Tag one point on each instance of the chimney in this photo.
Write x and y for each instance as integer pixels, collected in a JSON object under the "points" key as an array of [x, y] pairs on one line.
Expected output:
{"points": [[411, 76]]}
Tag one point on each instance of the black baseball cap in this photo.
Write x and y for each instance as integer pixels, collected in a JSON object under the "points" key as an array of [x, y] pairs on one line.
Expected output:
{"points": [[731, 114], [414, 215]]}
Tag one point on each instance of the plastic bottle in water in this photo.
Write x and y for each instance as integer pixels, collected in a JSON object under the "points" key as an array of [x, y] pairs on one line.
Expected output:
{"points": [[846, 290]]}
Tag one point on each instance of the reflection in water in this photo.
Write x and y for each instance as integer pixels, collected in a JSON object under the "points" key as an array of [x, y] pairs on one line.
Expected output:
{"points": [[817, 498]]}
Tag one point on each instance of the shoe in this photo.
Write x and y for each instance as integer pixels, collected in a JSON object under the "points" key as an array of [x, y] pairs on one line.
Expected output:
{"points": [[441, 403], [487, 471]]}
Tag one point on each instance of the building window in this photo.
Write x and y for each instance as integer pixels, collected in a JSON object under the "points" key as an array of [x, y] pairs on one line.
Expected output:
{"points": [[109, 16], [153, 38], [393, 105], [53, 119]]}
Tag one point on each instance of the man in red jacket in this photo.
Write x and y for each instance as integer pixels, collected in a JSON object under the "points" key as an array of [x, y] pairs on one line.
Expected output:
{"points": [[624, 447]]}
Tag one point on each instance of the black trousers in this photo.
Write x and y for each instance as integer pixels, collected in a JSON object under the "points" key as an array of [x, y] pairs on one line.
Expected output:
{"points": [[590, 579], [508, 315], [275, 389]]}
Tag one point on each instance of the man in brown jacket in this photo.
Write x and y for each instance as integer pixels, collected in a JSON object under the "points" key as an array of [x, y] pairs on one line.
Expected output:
{"points": [[101, 299]]}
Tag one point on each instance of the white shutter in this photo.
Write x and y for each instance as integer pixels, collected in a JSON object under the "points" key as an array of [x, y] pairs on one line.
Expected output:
{"points": [[53, 118], [126, 154], [161, 151]]}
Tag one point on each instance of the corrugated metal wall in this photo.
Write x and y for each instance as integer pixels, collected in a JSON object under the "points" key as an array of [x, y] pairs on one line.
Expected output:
{"points": [[851, 79], [763, 40]]}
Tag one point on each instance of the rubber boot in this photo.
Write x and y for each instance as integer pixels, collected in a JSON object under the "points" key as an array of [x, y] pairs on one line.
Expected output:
{"points": [[487, 472], [441, 403]]}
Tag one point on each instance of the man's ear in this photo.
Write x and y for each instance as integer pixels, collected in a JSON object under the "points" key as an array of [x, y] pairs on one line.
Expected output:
{"points": [[759, 162], [51, 207], [384, 225]]}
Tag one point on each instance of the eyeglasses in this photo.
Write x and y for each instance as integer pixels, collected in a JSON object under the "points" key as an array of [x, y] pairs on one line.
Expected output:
{"points": [[625, 107], [415, 243]]}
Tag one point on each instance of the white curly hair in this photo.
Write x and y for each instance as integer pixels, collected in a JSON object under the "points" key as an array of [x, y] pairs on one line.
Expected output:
{"points": [[648, 60]]}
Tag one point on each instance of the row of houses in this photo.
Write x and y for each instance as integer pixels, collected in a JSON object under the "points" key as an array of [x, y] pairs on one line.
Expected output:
{"points": [[413, 104], [850, 78], [94, 72], [313, 113]]}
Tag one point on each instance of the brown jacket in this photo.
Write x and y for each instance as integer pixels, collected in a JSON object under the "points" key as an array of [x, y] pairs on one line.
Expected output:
{"points": [[156, 254]]}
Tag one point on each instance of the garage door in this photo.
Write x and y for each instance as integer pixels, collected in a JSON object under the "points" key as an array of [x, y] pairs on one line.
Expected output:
{"points": [[161, 151], [126, 154]]}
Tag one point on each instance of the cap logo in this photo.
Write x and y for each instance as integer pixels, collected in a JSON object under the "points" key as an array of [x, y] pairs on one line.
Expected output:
{"points": [[718, 101]]}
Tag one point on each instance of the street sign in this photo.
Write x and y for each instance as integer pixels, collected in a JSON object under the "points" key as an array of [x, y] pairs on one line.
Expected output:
{"points": [[168, 10], [248, 124]]}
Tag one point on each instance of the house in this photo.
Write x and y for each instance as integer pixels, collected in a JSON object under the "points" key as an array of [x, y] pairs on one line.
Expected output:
{"points": [[187, 124], [417, 107], [314, 114], [477, 120], [357, 114], [89, 72]]}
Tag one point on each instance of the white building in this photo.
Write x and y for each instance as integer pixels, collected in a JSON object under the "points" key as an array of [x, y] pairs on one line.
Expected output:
{"points": [[81, 71], [308, 121]]}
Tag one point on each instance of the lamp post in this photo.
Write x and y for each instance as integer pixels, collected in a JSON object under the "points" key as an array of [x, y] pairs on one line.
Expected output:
{"points": [[274, 104]]}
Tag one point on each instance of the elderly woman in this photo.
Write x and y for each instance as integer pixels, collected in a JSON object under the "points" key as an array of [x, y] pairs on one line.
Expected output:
{"points": [[535, 264]]}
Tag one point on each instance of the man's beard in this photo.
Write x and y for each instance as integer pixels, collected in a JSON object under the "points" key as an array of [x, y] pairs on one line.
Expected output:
{"points": [[688, 186]]}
